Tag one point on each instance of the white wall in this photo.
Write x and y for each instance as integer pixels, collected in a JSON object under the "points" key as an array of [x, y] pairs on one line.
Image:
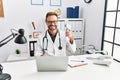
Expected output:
{"points": [[20, 14]]}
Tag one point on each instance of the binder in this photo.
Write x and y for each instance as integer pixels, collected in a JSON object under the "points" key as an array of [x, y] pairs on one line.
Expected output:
{"points": [[32, 47], [69, 12], [76, 12], [73, 12]]}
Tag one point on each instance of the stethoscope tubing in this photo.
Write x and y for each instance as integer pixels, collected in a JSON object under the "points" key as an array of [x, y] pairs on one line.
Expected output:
{"points": [[45, 37]]}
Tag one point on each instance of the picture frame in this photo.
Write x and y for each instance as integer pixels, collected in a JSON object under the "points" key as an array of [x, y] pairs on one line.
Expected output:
{"points": [[36, 34], [36, 2], [55, 2], [1, 9]]}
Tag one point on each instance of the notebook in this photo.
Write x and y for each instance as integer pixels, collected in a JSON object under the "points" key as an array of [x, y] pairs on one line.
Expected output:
{"points": [[51, 63]]}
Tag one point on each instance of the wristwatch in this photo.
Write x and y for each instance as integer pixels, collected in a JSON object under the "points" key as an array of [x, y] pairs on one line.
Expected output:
{"points": [[87, 1]]}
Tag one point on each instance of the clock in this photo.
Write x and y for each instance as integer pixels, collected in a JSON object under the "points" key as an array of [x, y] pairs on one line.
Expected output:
{"points": [[87, 1]]}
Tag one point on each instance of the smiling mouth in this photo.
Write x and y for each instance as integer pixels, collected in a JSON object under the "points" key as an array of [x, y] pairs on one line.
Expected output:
{"points": [[52, 27]]}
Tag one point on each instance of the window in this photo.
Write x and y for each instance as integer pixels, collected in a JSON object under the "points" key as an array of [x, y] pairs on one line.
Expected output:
{"points": [[111, 29]]}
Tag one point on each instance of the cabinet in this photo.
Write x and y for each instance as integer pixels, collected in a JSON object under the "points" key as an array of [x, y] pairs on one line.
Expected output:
{"points": [[78, 31]]}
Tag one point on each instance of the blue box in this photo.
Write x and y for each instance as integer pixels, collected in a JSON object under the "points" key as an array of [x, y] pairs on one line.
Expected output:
{"points": [[76, 12], [69, 12], [73, 12]]}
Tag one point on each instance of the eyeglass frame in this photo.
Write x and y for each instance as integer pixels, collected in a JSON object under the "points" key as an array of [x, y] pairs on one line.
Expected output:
{"points": [[50, 22]]}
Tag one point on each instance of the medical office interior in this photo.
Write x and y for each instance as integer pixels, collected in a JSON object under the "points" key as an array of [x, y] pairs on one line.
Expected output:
{"points": [[96, 25], [21, 14]]}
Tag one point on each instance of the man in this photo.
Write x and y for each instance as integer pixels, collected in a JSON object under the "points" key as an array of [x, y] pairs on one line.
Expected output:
{"points": [[54, 42]]}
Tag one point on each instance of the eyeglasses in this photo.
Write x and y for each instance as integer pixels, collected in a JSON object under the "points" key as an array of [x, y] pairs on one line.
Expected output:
{"points": [[50, 22]]}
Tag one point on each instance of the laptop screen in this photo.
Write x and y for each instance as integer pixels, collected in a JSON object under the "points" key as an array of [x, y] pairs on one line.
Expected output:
{"points": [[51, 63]]}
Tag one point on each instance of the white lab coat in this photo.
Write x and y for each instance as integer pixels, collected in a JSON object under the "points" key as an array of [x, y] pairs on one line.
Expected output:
{"points": [[52, 48]]}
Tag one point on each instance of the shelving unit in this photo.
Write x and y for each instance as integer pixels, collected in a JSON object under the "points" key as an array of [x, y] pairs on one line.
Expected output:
{"points": [[78, 31]]}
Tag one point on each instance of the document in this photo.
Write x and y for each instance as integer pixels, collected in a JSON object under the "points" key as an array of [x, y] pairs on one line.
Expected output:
{"points": [[76, 62]]}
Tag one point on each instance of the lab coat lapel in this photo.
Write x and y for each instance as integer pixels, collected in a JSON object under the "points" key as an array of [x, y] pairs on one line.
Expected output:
{"points": [[49, 38], [56, 39]]}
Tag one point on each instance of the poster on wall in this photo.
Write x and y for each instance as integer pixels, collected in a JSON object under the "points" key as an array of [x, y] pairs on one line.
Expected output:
{"points": [[36, 2], [55, 2], [1, 9]]}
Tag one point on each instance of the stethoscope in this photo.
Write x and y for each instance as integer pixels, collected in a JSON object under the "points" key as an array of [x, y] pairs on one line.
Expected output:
{"points": [[45, 45]]}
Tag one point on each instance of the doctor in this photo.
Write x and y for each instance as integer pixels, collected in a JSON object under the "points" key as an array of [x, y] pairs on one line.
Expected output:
{"points": [[55, 42]]}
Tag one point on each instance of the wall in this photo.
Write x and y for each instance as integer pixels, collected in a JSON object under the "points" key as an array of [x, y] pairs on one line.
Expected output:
{"points": [[20, 14]]}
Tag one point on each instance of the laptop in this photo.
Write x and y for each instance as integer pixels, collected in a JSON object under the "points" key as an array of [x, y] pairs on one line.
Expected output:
{"points": [[51, 63]]}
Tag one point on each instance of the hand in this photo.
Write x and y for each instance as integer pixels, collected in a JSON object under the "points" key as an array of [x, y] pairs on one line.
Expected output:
{"points": [[69, 35], [42, 55]]}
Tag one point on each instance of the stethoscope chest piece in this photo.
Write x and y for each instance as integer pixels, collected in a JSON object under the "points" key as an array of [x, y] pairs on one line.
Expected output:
{"points": [[60, 47]]}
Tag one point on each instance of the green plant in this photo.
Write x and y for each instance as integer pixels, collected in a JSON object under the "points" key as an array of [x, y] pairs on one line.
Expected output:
{"points": [[17, 51]]}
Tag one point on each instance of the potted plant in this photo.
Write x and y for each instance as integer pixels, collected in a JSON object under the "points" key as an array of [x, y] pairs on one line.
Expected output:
{"points": [[17, 51]]}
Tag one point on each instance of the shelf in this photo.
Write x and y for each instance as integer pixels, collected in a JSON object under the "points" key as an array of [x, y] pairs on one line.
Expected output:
{"points": [[78, 30]]}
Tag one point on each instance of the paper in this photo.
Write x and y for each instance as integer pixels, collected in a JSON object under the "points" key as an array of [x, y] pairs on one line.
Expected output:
{"points": [[76, 62]]}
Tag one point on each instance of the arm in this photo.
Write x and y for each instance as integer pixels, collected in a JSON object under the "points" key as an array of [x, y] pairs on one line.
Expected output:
{"points": [[71, 46]]}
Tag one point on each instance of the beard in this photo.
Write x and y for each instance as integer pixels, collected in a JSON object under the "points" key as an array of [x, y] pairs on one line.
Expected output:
{"points": [[52, 27]]}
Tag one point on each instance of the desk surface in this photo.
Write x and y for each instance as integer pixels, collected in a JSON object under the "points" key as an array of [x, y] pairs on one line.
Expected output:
{"points": [[26, 70]]}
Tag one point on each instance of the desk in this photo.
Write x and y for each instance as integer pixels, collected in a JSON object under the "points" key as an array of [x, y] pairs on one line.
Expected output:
{"points": [[19, 57], [26, 70]]}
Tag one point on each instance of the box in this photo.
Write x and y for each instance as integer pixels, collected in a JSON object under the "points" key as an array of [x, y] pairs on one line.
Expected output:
{"points": [[73, 12]]}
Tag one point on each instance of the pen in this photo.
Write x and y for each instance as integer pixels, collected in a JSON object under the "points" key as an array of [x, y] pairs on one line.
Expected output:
{"points": [[78, 60]]}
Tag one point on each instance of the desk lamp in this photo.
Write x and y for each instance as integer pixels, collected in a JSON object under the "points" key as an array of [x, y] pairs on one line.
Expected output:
{"points": [[20, 39]]}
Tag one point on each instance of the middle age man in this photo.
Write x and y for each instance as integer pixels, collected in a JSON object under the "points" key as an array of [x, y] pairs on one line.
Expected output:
{"points": [[55, 42]]}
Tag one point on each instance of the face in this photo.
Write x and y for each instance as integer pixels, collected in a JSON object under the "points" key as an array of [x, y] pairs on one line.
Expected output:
{"points": [[52, 22]]}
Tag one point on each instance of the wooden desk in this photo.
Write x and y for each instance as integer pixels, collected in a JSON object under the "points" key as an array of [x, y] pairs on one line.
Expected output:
{"points": [[26, 70]]}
